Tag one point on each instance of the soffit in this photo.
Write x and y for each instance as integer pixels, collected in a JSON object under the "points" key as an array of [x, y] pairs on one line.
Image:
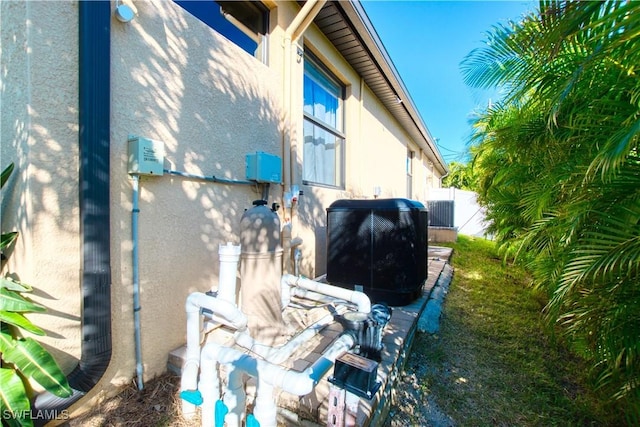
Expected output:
{"points": [[348, 28]]}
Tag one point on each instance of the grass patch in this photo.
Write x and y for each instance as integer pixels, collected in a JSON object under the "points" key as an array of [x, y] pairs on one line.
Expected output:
{"points": [[494, 362]]}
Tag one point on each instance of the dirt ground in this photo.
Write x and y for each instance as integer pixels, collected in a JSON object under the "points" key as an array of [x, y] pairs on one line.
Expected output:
{"points": [[157, 405]]}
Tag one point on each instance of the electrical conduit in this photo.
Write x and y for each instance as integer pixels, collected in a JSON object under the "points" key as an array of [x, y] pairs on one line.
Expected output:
{"points": [[299, 24], [135, 211]]}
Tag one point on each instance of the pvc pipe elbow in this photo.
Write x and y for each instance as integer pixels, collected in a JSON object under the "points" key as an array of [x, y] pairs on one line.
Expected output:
{"points": [[362, 301], [221, 308]]}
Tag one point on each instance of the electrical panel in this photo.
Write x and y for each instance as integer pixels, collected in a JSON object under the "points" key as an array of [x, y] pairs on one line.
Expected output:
{"points": [[146, 156], [264, 167]]}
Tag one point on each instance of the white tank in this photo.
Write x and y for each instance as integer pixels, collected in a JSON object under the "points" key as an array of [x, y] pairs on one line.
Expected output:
{"points": [[261, 271]]}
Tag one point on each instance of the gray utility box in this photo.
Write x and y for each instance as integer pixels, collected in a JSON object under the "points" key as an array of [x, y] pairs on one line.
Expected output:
{"points": [[379, 244]]}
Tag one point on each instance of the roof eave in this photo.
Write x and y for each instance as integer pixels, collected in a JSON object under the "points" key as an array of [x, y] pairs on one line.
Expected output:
{"points": [[406, 111]]}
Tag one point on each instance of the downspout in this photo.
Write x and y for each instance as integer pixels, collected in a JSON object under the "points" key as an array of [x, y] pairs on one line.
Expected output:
{"points": [[94, 43]]}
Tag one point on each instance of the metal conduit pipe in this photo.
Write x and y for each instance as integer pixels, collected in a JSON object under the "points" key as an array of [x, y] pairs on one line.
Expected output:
{"points": [[228, 313], [356, 297], [299, 24], [268, 374], [135, 213], [211, 178]]}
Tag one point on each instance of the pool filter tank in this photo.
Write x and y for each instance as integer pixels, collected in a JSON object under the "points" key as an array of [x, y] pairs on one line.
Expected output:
{"points": [[260, 271]]}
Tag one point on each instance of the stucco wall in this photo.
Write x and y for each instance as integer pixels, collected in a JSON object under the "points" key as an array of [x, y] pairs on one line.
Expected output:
{"points": [[179, 82], [173, 80], [39, 134]]}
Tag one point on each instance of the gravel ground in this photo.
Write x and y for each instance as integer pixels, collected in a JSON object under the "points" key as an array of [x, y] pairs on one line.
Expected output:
{"points": [[413, 404]]}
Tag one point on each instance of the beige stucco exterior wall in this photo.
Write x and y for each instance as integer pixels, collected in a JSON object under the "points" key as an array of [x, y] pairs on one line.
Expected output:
{"points": [[211, 104], [173, 80], [39, 113], [375, 155]]}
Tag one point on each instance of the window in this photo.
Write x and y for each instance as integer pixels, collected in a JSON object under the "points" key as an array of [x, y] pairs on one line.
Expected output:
{"points": [[323, 154], [410, 156], [245, 23]]}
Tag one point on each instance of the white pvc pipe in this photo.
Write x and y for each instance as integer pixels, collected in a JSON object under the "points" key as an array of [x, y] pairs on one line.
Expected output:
{"points": [[229, 255], [227, 312], [209, 387], [265, 409], [282, 353], [235, 397], [315, 296], [356, 297], [269, 375]]}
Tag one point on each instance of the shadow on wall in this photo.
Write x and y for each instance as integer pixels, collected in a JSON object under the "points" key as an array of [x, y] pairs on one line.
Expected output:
{"points": [[312, 215], [40, 135], [173, 80], [210, 103]]}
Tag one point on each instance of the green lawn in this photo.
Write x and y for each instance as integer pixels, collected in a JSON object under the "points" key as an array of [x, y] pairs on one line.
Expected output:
{"points": [[494, 362]]}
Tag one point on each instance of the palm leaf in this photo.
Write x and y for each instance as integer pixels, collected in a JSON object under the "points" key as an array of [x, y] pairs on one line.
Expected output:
{"points": [[13, 301], [6, 173], [13, 398], [18, 320], [14, 285], [7, 239], [36, 363]]}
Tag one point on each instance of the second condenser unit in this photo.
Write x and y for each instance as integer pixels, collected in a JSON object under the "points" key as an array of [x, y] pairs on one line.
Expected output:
{"points": [[380, 245]]}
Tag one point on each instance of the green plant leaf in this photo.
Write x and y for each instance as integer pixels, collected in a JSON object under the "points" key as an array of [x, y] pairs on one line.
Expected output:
{"points": [[35, 362], [6, 173], [14, 285], [13, 301], [13, 399], [7, 341], [17, 319], [7, 238]]}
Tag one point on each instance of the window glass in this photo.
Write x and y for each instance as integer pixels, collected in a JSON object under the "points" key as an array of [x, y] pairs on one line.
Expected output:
{"points": [[322, 155], [323, 140], [322, 97]]}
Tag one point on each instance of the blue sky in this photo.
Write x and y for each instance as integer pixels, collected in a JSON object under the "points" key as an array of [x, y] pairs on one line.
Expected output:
{"points": [[426, 41]]}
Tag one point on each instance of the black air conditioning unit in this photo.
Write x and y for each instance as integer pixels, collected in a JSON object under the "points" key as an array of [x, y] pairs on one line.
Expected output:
{"points": [[379, 244]]}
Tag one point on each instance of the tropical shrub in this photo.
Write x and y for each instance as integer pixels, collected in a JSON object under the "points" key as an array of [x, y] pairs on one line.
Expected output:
{"points": [[558, 171], [460, 176], [23, 358]]}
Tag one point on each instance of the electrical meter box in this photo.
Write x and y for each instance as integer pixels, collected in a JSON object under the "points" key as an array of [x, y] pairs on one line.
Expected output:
{"points": [[146, 156], [264, 167]]}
